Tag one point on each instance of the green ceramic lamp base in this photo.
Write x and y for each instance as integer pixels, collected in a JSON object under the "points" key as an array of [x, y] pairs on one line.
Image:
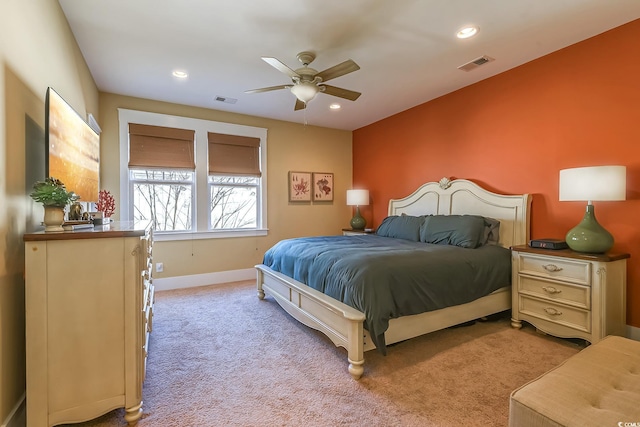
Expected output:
{"points": [[589, 236], [358, 222]]}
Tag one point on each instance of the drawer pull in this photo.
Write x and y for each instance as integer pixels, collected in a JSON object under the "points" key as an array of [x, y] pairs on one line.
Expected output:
{"points": [[551, 290], [552, 311], [552, 268]]}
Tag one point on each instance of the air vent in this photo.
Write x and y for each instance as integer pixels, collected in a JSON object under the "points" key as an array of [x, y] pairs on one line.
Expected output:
{"points": [[475, 63], [225, 99]]}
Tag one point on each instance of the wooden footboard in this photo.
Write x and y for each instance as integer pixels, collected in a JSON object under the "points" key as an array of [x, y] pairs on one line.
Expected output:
{"points": [[344, 324], [341, 323]]}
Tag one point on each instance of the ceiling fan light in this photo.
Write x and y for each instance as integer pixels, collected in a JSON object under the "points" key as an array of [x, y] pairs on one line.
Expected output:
{"points": [[305, 91]]}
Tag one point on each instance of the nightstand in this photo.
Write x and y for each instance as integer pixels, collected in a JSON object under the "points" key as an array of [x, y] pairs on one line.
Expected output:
{"points": [[352, 232], [569, 294]]}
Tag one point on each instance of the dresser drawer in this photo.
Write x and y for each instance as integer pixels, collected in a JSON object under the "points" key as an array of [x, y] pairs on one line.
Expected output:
{"points": [[564, 293], [147, 319], [145, 296], [146, 249], [144, 355], [556, 313], [151, 301], [557, 268]]}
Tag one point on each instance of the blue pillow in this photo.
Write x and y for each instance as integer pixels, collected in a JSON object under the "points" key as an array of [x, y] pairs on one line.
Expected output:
{"points": [[467, 231], [401, 227]]}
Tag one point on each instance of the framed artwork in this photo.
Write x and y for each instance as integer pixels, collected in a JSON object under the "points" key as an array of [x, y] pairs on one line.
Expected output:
{"points": [[322, 187], [299, 186]]}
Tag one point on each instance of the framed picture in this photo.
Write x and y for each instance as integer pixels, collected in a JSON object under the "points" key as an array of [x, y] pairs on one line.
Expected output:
{"points": [[299, 186], [322, 187]]}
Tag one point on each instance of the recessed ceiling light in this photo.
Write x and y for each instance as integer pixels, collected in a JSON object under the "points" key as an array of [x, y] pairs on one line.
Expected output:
{"points": [[180, 74], [466, 32], [335, 106]]}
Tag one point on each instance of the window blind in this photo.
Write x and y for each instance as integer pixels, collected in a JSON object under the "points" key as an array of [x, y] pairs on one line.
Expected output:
{"points": [[160, 147], [234, 155]]}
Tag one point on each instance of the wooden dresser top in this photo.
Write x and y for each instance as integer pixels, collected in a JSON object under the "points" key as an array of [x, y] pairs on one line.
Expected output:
{"points": [[568, 253], [115, 229]]}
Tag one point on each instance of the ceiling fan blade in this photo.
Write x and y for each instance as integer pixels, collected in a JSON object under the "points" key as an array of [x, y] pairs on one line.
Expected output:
{"points": [[341, 93], [346, 67], [299, 105], [267, 89], [275, 63]]}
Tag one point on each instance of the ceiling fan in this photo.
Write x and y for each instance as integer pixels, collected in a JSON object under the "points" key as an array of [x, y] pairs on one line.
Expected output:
{"points": [[307, 82]]}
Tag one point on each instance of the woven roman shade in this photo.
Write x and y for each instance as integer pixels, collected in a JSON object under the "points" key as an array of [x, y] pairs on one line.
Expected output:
{"points": [[234, 155], [160, 147]]}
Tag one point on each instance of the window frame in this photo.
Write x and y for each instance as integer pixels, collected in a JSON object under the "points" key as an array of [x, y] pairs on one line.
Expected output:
{"points": [[201, 184]]}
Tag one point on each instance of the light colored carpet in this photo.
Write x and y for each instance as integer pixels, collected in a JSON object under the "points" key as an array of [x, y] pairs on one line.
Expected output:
{"points": [[221, 357]]}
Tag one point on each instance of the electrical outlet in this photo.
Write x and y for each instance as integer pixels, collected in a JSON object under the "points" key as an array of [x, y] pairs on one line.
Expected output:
{"points": [[159, 267]]}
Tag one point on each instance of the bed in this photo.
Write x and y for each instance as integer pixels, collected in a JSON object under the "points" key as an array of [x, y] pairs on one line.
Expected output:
{"points": [[346, 326]]}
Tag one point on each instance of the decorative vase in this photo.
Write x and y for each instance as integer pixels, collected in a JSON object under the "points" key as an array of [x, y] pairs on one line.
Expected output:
{"points": [[589, 236], [358, 222], [100, 219], [53, 219]]}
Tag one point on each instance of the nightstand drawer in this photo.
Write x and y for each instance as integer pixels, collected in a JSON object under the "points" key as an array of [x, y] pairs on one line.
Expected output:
{"points": [[564, 293], [557, 268], [556, 313]]}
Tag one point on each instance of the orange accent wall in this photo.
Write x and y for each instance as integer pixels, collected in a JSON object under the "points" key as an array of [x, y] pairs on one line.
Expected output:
{"points": [[512, 133]]}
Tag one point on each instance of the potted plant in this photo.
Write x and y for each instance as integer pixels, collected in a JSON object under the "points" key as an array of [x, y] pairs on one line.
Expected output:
{"points": [[54, 197]]}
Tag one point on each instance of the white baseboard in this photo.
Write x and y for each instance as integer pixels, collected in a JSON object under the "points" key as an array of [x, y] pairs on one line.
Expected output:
{"points": [[194, 280], [633, 333], [18, 416]]}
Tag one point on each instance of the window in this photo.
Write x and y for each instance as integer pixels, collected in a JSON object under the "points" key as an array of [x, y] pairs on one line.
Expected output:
{"points": [[234, 178], [234, 202], [161, 176], [193, 178], [164, 197]]}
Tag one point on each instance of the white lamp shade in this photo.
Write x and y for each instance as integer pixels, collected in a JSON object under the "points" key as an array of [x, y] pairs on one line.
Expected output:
{"points": [[593, 183], [357, 197], [305, 91]]}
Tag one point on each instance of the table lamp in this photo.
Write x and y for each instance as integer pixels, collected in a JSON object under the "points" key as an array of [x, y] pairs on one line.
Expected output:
{"points": [[596, 183], [358, 198]]}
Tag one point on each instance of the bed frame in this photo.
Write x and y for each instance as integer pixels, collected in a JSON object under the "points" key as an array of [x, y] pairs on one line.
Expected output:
{"points": [[344, 324]]}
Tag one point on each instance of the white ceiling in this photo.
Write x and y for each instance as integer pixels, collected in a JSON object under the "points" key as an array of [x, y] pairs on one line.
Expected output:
{"points": [[406, 49]]}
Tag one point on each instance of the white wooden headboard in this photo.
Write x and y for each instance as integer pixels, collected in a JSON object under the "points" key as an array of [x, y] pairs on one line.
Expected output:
{"points": [[460, 196]]}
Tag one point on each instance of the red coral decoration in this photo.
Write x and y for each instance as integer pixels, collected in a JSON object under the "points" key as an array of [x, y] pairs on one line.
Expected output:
{"points": [[106, 203]]}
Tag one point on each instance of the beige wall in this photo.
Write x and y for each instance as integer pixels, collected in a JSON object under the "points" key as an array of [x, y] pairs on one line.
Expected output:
{"points": [[290, 146], [37, 50]]}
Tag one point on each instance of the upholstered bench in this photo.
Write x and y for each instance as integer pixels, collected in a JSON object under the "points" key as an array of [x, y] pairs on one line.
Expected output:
{"points": [[600, 386]]}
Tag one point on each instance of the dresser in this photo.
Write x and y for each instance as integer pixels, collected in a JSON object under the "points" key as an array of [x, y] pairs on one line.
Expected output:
{"points": [[569, 294], [89, 308]]}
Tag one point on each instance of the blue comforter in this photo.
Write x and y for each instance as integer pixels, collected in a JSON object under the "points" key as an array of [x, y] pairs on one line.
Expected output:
{"points": [[385, 278]]}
